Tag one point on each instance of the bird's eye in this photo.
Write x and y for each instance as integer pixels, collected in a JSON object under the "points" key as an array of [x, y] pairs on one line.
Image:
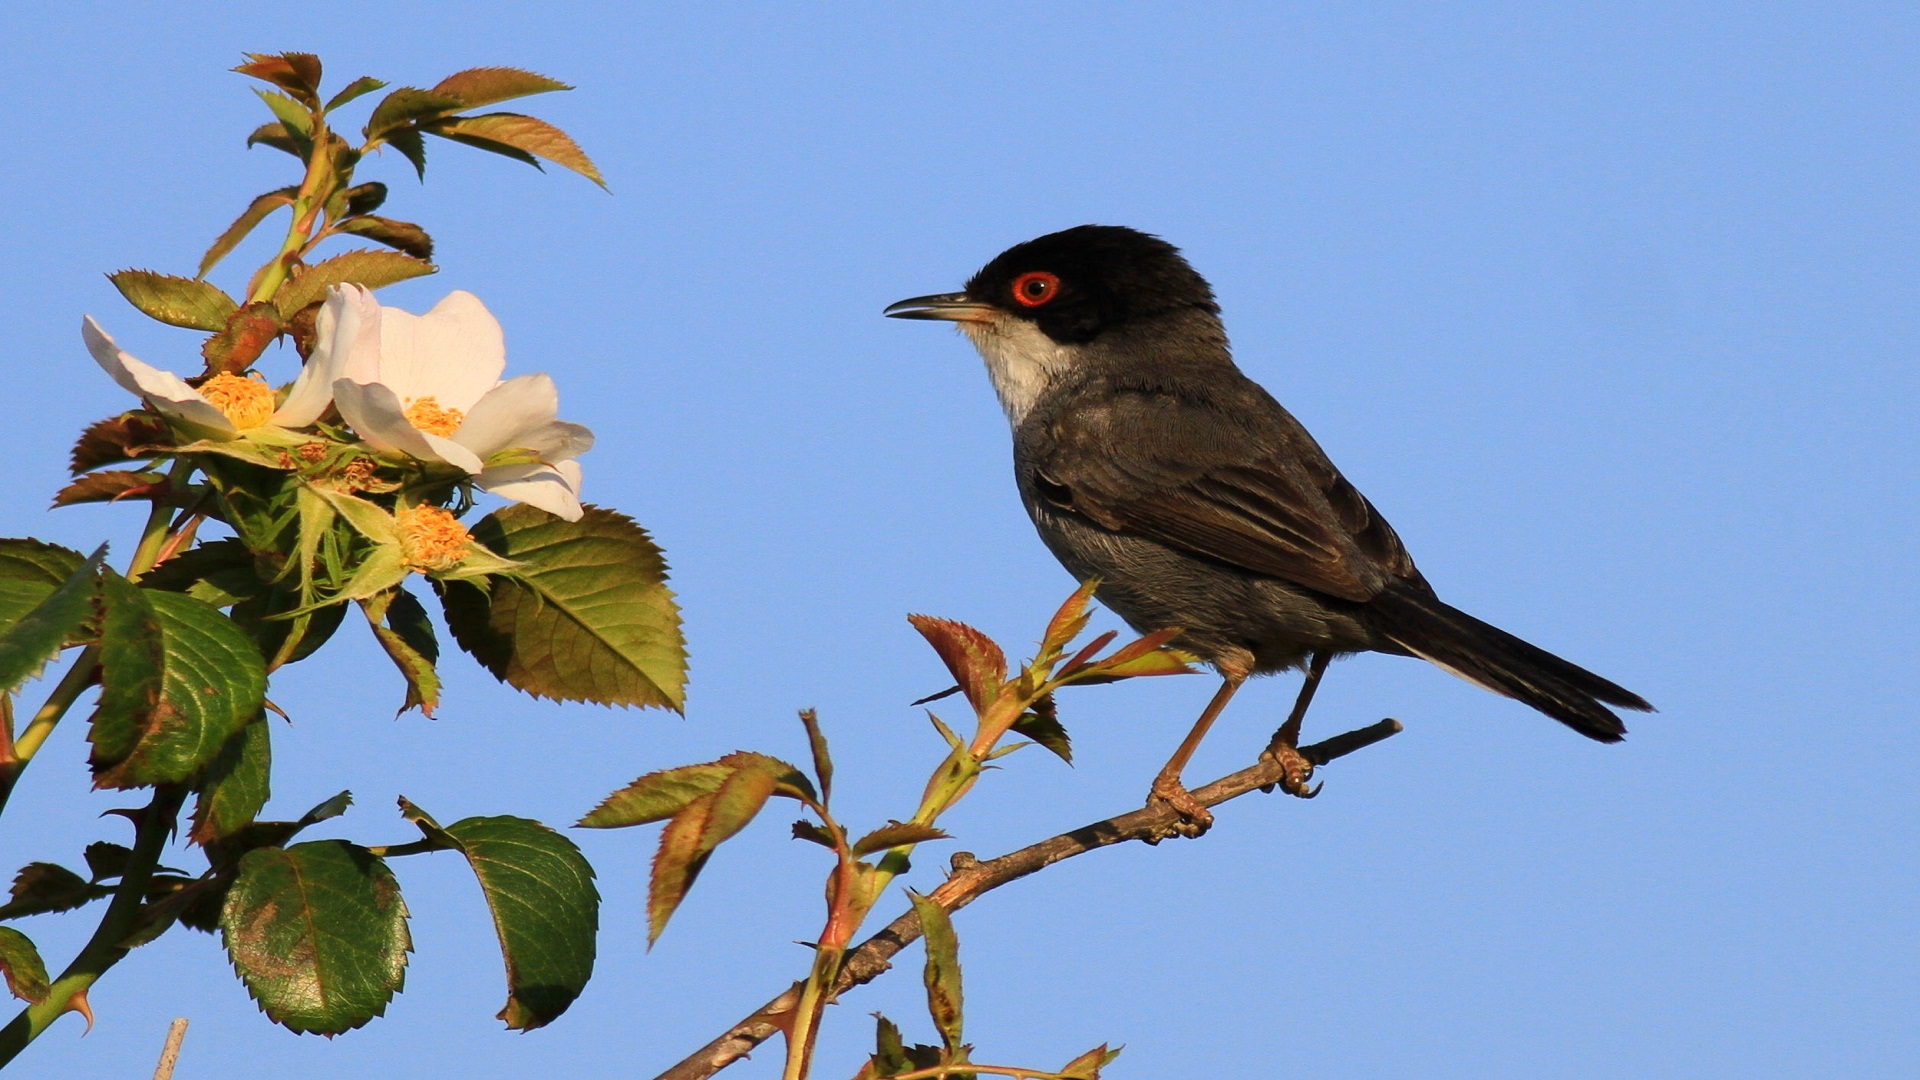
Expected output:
{"points": [[1035, 288]]}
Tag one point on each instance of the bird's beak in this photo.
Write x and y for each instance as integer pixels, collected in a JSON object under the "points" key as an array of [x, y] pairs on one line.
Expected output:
{"points": [[951, 307]]}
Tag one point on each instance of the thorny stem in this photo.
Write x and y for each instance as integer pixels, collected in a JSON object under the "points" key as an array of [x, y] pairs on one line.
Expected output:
{"points": [[307, 205], [105, 948]]}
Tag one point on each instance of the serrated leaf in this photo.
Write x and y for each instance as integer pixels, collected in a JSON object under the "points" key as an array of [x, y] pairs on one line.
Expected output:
{"points": [[277, 136], [117, 439], [943, 970], [176, 301], [292, 115], [365, 198], [1088, 1065], [808, 831], [817, 746], [357, 88], [46, 592], [1086, 654], [517, 136], [43, 887], [657, 796], [318, 932], [405, 106], [402, 236], [362, 266], [247, 334], [296, 72], [702, 826], [588, 617], [236, 785], [475, 87], [1042, 725], [256, 212], [106, 859], [1070, 620], [178, 680], [894, 834], [20, 963], [545, 908], [412, 146], [113, 486], [976, 662], [401, 626]]}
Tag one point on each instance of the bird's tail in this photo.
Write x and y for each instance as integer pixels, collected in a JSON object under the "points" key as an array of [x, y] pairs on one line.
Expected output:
{"points": [[1489, 656]]}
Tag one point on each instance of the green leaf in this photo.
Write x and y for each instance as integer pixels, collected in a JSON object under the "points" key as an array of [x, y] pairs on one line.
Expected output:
{"points": [[895, 834], [943, 970], [1042, 725], [277, 136], [20, 963], [46, 592], [318, 932], [292, 115], [43, 887], [363, 266], [703, 825], [107, 860], [405, 106], [403, 236], [412, 147], [118, 438], [256, 212], [401, 626], [817, 744], [546, 910], [519, 137], [656, 796], [976, 662], [1088, 1065], [114, 485], [176, 301], [475, 87], [236, 785], [357, 88], [178, 680], [588, 617], [296, 72]]}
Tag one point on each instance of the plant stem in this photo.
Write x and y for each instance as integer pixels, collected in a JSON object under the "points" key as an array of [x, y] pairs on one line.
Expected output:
{"points": [[105, 948], [315, 188]]}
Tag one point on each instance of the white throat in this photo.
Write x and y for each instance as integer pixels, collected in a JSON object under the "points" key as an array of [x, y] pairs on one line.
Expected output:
{"points": [[1021, 361]]}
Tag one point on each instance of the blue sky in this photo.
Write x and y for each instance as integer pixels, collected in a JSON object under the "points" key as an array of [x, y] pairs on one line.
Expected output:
{"points": [[1611, 310]]}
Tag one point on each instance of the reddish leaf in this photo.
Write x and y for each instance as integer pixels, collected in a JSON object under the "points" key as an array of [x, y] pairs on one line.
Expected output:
{"points": [[403, 236], [1080, 658], [1070, 620], [657, 796], [707, 822], [405, 106], [247, 334], [117, 439], [475, 87], [114, 485], [297, 73], [973, 658], [517, 136]]}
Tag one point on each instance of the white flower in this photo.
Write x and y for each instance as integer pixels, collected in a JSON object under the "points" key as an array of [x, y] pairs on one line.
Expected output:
{"points": [[428, 386], [224, 405]]}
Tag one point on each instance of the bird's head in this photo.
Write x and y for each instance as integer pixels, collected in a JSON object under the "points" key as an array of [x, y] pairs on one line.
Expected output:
{"points": [[1038, 308]]}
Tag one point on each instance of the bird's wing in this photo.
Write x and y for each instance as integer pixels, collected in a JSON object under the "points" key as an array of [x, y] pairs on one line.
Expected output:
{"points": [[1240, 483]]}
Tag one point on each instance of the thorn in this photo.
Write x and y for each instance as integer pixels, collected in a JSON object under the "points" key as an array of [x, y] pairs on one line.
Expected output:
{"points": [[78, 1003]]}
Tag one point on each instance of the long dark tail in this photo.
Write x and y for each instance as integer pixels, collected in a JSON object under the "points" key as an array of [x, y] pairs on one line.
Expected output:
{"points": [[1489, 656]]}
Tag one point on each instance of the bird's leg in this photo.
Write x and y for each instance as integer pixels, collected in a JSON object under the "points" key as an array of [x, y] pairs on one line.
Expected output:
{"points": [[1285, 747], [1167, 787]]}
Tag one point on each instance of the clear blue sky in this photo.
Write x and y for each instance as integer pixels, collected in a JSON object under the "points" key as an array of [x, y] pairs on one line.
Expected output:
{"points": [[1612, 312]]}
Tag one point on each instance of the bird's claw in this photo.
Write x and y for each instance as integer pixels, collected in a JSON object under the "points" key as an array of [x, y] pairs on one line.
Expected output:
{"points": [[1295, 770], [1195, 819]]}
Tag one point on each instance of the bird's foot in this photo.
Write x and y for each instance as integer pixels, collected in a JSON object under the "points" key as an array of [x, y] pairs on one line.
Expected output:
{"points": [[1295, 769], [1195, 819]]}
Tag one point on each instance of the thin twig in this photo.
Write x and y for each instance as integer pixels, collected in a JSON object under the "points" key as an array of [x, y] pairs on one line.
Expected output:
{"points": [[973, 879], [170, 1054]]}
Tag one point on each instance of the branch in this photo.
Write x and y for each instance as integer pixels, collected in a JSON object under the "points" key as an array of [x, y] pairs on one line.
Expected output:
{"points": [[972, 879]]}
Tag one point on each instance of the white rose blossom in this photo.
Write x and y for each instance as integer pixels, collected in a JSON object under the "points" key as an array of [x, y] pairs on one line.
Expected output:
{"points": [[429, 386], [224, 406]]}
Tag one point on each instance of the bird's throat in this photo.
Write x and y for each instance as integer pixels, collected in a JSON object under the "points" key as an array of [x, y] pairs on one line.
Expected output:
{"points": [[1021, 360]]}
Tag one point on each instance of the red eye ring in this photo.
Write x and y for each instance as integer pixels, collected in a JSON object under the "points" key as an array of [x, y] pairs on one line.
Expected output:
{"points": [[1034, 288]]}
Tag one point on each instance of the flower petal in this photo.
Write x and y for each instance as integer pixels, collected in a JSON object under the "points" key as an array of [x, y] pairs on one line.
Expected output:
{"points": [[376, 413], [349, 314], [553, 488], [168, 393], [508, 413], [453, 354]]}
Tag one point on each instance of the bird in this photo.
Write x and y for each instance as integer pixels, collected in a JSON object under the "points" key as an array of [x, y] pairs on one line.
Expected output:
{"points": [[1152, 465]]}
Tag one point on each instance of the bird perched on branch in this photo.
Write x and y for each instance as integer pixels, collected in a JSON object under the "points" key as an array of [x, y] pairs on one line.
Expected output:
{"points": [[1147, 460]]}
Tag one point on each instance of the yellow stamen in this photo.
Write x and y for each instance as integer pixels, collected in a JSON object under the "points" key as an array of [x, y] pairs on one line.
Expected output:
{"points": [[432, 538], [246, 402], [427, 415]]}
